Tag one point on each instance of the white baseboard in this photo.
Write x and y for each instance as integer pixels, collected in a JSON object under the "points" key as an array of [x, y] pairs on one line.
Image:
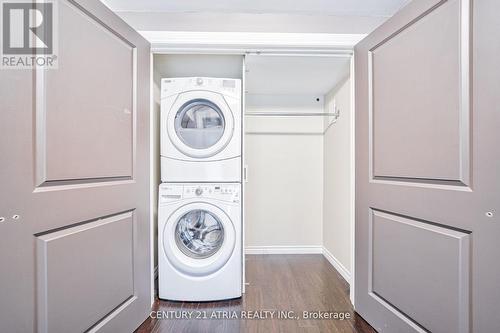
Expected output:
{"points": [[279, 249], [337, 265]]}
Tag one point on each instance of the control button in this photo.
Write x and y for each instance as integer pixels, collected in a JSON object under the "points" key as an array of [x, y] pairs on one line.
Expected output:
{"points": [[199, 81], [199, 191]]}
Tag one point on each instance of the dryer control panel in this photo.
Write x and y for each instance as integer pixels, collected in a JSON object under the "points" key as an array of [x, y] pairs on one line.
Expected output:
{"points": [[228, 87], [222, 192]]}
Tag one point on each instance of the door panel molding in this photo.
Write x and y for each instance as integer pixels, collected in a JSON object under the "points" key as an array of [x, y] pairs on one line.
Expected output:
{"points": [[449, 246], [65, 263], [101, 23], [464, 167], [40, 77]]}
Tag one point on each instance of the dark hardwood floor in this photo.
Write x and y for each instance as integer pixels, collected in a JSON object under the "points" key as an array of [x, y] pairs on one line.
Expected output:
{"points": [[276, 282]]}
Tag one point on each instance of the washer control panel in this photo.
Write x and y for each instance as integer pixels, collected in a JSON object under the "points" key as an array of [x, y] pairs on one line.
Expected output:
{"points": [[222, 192]]}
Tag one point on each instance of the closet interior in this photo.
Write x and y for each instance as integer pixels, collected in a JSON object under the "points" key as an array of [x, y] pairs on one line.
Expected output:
{"points": [[297, 147]]}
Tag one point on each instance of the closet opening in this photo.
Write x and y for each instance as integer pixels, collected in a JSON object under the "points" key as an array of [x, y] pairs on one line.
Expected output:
{"points": [[299, 157], [297, 149]]}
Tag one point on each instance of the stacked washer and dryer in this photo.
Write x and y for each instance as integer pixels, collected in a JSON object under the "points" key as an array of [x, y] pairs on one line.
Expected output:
{"points": [[199, 216]]}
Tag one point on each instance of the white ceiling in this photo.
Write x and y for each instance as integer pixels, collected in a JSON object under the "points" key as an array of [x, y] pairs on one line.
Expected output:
{"points": [[294, 75], [383, 8]]}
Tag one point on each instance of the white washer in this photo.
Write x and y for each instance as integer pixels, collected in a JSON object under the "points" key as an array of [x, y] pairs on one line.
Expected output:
{"points": [[200, 130], [199, 242]]}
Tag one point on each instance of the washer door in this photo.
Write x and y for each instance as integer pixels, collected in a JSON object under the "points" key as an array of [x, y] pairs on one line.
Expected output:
{"points": [[200, 123], [198, 239]]}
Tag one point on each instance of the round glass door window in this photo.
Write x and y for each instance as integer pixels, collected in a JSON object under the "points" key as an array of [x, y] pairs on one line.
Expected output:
{"points": [[199, 234], [199, 124]]}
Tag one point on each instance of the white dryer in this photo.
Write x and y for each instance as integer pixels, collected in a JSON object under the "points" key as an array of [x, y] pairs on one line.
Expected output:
{"points": [[199, 242], [200, 130]]}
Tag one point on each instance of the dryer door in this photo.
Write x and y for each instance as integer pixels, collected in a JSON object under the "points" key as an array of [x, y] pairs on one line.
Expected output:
{"points": [[198, 239], [200, 123]]}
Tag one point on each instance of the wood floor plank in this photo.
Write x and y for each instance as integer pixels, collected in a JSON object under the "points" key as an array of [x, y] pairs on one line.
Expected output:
{"points": [[276, 283]]}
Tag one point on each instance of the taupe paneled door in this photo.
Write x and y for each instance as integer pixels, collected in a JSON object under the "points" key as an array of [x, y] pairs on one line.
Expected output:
{"points": [[428, 169], [75, 240]]}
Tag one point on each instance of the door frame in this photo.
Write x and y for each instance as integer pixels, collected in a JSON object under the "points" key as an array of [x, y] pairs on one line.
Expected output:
{"points": [[242, 43]]}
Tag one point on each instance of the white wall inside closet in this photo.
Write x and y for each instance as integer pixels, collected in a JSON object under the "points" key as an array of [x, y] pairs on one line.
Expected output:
{"points": [[182, 65], [338, 172], [285, 155]]}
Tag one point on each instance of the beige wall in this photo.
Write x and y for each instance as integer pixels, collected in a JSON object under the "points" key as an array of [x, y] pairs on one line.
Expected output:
{"points": [[337, 207], [250, 22], [284, 192], [208, 65]]}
